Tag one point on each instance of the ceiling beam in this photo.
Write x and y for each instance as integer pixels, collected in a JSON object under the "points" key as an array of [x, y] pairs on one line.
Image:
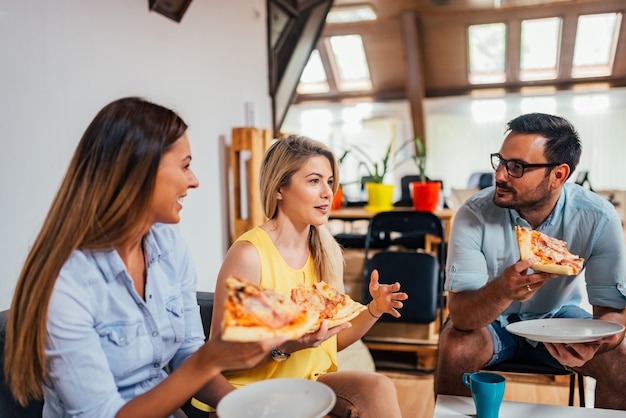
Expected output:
{"points": [[414, 73]]}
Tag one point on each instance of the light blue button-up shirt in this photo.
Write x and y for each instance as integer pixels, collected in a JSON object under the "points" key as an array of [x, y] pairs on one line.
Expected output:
{"points": [[483, 243], [106, 345]]}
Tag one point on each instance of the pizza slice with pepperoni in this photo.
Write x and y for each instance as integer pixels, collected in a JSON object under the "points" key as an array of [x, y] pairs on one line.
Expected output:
{"points": [[551, 254]]}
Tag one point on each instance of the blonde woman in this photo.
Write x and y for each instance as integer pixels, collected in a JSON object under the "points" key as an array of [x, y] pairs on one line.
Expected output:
{"points": [[106, 299], [297, 181]]}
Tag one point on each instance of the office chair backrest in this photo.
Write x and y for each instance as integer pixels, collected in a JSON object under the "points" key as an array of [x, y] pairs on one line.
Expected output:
{"points": [[481, 180], [418, 276], [404, 186], [486, 180], [406, 229]]}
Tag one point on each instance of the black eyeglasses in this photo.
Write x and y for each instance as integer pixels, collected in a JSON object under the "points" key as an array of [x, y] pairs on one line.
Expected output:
{"points": [[514, 168]]}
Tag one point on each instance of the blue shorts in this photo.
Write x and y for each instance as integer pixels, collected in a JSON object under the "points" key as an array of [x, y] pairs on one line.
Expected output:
{"points": [[507, 346]]}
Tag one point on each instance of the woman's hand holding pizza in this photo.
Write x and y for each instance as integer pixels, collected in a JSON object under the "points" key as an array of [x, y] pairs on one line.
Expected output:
{"points": [[386, 298], [314, 339], [236, 355]]}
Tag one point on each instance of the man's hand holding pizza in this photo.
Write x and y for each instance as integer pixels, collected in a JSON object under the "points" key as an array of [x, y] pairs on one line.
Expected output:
{"points": [[386, 298], [517, 284]]}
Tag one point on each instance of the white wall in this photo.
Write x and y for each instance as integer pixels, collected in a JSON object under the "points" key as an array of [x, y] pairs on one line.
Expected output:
{"points": [[461, 132], [461, 136], [61, 61]]}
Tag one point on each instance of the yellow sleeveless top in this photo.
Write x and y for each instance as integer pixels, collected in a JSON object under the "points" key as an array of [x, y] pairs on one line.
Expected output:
{"points": [[309, 363]]}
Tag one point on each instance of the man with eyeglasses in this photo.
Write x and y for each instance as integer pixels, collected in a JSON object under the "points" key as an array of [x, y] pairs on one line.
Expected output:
{"points": [[489, 287]]}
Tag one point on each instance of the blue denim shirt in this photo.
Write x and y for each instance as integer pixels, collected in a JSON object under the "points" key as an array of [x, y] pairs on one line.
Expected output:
{"points": [[483, 243], [106, 345]]}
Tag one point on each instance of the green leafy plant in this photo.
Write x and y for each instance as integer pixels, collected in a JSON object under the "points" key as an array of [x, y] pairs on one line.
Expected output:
{"points": [[378, 169], [420, 158]]}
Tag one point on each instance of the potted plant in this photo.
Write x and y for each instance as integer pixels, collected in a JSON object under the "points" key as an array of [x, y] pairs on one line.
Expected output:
{"points": [[425, 193], [379, 194]]}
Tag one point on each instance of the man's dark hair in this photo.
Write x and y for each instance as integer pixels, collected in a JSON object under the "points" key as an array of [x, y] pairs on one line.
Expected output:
{"points": [[563, 144]]}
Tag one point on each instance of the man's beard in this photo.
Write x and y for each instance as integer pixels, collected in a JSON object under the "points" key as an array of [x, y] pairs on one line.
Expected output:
{"points": [[529, 201]]}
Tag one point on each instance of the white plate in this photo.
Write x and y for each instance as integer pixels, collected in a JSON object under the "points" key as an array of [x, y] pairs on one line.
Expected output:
{"points": [[278, 398], [564, 330]]}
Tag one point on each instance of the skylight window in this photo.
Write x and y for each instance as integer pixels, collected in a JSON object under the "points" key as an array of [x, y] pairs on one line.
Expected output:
{"points": [[487, 47], [351, 13], [313, 79], [596, 42], [350, 63], [540, 39]]}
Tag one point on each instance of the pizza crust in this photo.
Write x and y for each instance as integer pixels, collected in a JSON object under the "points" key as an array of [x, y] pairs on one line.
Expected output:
{"points": [[553, 268], [237, 333], [347, 314]]}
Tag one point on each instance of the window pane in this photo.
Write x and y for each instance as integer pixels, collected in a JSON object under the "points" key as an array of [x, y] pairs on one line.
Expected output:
{"points": [[313, 79], [594, 50], [347, 14], [351, 65], [539, 48], [486, 53]]}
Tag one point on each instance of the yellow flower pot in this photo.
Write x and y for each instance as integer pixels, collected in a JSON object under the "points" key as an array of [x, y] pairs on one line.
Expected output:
{"points": [[379, 197]]}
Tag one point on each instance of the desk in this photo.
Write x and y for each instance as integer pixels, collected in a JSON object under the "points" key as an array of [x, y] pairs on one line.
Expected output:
{"points": [[460, 406], [356, 214]]}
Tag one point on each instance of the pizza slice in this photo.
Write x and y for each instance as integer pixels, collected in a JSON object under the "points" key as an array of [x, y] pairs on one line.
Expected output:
{"points": [[253, 313], [333, 306], [551, 254]]}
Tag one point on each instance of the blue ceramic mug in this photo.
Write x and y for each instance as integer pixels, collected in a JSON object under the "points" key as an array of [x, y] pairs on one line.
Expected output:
{"points": [[487, 391]]}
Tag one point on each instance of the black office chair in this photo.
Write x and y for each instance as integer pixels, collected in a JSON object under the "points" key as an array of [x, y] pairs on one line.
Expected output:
{"points": [[350, 240], [418, 275], [399, 237], [405, 192], [481, 180], [406, 230]]}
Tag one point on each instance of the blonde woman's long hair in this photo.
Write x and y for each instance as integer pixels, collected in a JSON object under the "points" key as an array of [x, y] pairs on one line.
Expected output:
{"points": [[103, 198], [280, 162]]}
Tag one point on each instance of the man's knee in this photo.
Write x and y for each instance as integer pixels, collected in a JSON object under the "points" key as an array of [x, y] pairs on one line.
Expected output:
{"points": [[455, 344]]}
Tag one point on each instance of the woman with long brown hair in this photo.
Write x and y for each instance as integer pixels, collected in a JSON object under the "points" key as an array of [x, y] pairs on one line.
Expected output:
{"points": [[297, 181], [106, 299]]}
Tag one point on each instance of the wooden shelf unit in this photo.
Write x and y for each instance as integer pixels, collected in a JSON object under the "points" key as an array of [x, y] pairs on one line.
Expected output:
{"points": [[252, 141]]}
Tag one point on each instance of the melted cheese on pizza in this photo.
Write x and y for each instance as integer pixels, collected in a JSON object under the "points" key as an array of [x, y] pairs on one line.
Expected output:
{"points": [[248, 305], [549, 250]]}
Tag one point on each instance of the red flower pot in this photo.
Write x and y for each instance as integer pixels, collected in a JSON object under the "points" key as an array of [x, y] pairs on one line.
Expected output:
{"points": [[425, 195], [337, 199]]}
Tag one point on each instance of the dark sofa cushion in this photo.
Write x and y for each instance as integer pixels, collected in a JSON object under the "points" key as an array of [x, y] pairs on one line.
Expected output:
{"points": [[9, 408], [205, 300]]}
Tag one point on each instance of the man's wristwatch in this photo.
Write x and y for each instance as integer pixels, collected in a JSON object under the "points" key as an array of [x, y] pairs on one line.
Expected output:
{"points": [[278, 355]]}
